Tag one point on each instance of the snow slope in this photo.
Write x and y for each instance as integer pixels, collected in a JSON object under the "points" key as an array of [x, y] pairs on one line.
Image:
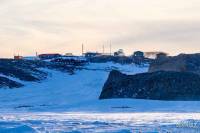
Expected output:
{"points": [[64, 92], [70, 103], [80, 92]]}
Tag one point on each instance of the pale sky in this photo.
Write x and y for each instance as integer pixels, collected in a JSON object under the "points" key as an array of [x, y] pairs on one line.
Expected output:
{"points": [[48, 26]]}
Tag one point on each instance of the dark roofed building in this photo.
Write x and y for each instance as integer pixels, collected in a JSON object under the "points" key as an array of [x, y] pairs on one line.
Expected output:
{"points": [[138, 57], [120, 52], [91, 54], [161, 55], [138, 54], [49, 56]]}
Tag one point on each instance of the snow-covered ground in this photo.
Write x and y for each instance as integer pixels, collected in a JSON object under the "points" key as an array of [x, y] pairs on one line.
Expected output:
{"points": [[64, 92], [66, 102]]}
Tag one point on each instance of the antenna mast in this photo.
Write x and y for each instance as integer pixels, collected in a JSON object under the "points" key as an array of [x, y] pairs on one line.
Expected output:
{"points": [[82, 49], [110, 48], [103, 49]]}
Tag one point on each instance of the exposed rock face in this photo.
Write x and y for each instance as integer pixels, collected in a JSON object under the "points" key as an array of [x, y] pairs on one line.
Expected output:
{"points": [[180, 63], [30, 70], [157, 86], [7, 83], [21, 69]]}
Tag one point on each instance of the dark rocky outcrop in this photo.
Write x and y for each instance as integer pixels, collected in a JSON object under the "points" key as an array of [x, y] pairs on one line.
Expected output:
{"points": [[160, 85], [67, 65], [22, 69], [180, 63], [30, 70], [7, 83], [108, 58], [119, 59]]}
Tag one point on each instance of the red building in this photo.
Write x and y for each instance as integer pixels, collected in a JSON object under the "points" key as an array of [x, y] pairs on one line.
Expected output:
{"points": [[18, 57]]}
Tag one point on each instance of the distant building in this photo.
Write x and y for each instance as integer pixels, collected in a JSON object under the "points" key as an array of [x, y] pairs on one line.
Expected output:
{"points": [[68, 54], [120, 52], [31, 58], [91, 54], [138, 57], [49, 56], [18, 57], [153, 54], [78, 58], [138, 54], [161, 56]]}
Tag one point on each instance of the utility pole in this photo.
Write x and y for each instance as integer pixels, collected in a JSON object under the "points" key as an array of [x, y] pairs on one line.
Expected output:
{"points": [[103, 49], [82, 49], [110, 48]]}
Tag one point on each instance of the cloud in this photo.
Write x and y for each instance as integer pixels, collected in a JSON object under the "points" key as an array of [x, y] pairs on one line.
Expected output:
{"points": [[163, 31], [27, 26]]}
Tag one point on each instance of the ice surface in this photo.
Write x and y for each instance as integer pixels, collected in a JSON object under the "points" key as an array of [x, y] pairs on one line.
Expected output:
{"points": [[100, 122]]}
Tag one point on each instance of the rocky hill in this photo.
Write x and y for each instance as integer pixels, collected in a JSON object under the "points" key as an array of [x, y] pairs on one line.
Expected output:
{"points": [[7, 83], [22, 69], [157, 86], [180, 63], [12, 71]]}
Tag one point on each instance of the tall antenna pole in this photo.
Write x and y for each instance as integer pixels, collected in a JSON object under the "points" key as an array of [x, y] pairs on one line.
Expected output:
{"points": [[103, 49], [110, 48], [82, 49]]}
